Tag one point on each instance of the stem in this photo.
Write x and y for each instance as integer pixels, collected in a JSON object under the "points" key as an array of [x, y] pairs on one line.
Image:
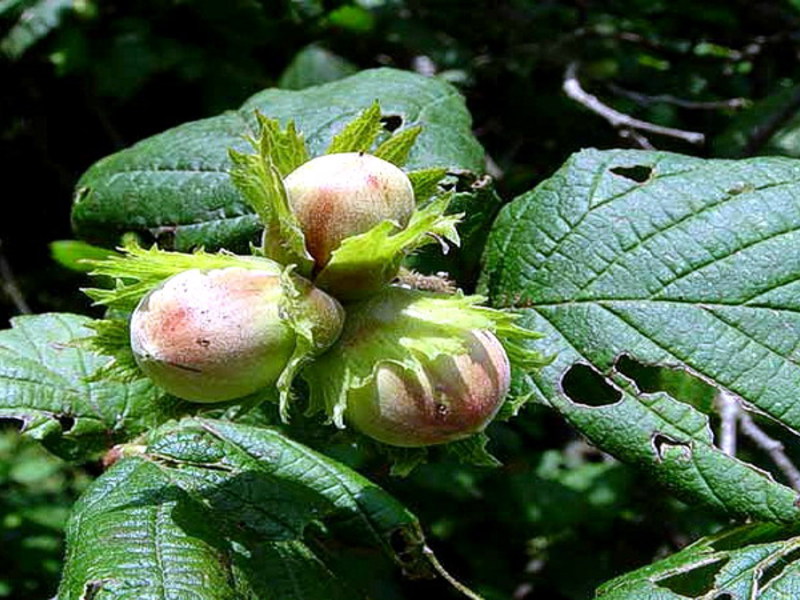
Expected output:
{"points": [[437, 566]]}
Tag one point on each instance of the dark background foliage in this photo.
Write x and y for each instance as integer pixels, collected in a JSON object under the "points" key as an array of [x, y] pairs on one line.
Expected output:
{"points": [[83, 78]]}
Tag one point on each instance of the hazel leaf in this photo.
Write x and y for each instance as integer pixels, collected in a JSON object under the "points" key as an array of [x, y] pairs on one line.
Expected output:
{"points": [[426, 183], [175, 187]]}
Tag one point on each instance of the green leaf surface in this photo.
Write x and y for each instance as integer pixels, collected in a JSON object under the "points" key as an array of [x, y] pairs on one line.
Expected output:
{"points": [[219, 510], [175, 187], [671, 261], [754, 561], [43, 383]]}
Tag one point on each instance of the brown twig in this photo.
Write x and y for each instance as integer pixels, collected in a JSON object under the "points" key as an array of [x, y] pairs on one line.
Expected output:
{"points": [[9, 285], [618, 120]]}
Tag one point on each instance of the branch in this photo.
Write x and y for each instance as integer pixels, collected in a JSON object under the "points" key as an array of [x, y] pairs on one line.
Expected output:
{"points": [[618, 120], [729, 410], [9, 285], [647, 100], [428, 553], [772, 447]]}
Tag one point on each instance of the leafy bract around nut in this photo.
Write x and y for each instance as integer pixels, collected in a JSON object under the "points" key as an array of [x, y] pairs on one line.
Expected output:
{"points": [[344, 218], [280, 320], [400, 330], [452, 398]]}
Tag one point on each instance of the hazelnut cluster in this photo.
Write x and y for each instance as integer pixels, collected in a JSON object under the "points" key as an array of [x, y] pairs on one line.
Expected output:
{"points": [[407, 367]]}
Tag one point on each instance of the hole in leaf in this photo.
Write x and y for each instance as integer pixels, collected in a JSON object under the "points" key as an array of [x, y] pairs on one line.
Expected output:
{"points": [[639, 173], [724, 596], [81, 194], [164, 236], [67, 422], [761, 534], [403, 545], [91, 589], [776, 568], [391, 122], [12, 423], [678, 383], [695, 582], [663, 443], [584, 385]]}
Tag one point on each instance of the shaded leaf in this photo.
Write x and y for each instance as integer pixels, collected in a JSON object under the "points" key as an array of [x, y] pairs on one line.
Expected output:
{"points": [[35, 23], [314, 65], [754, 561], [219, 510]]}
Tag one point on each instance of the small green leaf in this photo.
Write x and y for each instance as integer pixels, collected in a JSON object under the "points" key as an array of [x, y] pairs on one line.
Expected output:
{"points": [[397, 148], [360, 134], [285, 148], [373, 258], [426, 183], [472, 451], [260, 181], [139, 270], [72, 254]]}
